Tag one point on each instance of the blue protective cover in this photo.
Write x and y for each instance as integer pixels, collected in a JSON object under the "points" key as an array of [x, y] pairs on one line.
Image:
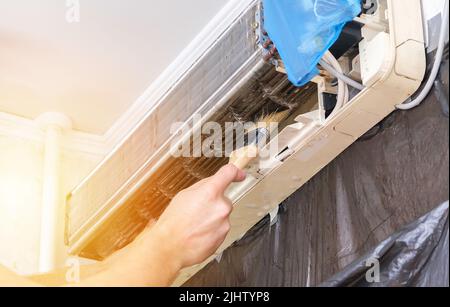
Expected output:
{"points": [[303, 30]]}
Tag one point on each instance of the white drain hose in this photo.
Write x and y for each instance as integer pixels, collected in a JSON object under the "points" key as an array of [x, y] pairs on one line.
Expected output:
{"points": [[436, 66]]}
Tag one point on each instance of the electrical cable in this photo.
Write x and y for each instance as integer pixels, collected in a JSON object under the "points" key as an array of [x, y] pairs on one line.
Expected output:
{"points": [[341, 76], [343, 93], [436, 66]]}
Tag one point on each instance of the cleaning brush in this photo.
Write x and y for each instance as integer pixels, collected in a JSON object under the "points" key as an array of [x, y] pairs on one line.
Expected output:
{"points": [[255, 139]]}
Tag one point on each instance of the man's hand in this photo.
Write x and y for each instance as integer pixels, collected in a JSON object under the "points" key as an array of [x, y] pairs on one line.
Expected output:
{"points": [[190, 230], [197, 220]]}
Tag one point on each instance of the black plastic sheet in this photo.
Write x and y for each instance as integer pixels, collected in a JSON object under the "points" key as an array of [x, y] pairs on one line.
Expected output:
{"points": [[391, 177], [418, 255]]}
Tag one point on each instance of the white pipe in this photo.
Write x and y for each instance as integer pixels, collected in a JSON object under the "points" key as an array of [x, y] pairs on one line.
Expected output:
{"points": [[436, 66], [341, 76], [50, 200], [342, 95], [53, 125]]}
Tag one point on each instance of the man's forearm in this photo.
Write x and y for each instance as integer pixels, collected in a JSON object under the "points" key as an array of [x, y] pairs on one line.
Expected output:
{"points": [[59, 277], [145, 263], [9, 279], [189, 231]]}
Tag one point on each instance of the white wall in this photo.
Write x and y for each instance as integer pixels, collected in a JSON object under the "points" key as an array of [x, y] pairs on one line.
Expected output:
{"points": [[20, 203], [21, 168]]}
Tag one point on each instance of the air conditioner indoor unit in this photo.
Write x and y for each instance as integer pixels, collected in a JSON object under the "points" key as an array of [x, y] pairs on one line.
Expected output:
{"points": [[241, 77]]}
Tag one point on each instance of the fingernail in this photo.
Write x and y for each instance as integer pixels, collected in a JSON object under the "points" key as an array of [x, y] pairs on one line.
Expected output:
{"points": [[242, 175]]}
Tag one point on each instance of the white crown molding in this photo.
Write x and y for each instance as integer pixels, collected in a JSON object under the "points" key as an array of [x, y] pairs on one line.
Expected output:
{"points": [[26, 129], [19, 127], [16, 126], [90, 144]]}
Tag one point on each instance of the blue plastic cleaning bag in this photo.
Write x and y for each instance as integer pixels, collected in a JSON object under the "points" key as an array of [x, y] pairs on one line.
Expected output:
{"points": [[303, 30]]}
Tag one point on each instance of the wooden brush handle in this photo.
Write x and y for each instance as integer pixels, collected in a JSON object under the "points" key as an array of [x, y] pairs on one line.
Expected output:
{"points": [[242, 157]]}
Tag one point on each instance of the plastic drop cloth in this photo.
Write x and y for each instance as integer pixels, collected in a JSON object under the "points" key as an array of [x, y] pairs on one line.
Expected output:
{"points": [[303, 30], [357, 207], [418, 255]]}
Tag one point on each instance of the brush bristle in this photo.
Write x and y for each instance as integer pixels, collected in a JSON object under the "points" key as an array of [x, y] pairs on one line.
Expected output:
{"points": [[275, 117], [264, 127]]}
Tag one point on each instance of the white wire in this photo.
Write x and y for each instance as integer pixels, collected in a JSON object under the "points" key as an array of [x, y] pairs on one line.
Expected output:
{"points": [[436, 66], [342, 95], [341, 76]]}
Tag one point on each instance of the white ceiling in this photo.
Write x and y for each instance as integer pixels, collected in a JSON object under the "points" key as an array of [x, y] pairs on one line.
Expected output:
{"points": [[95, 69]]}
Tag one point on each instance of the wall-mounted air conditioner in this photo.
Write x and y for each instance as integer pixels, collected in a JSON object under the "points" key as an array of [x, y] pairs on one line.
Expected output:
{"points": [[241, 77]]}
